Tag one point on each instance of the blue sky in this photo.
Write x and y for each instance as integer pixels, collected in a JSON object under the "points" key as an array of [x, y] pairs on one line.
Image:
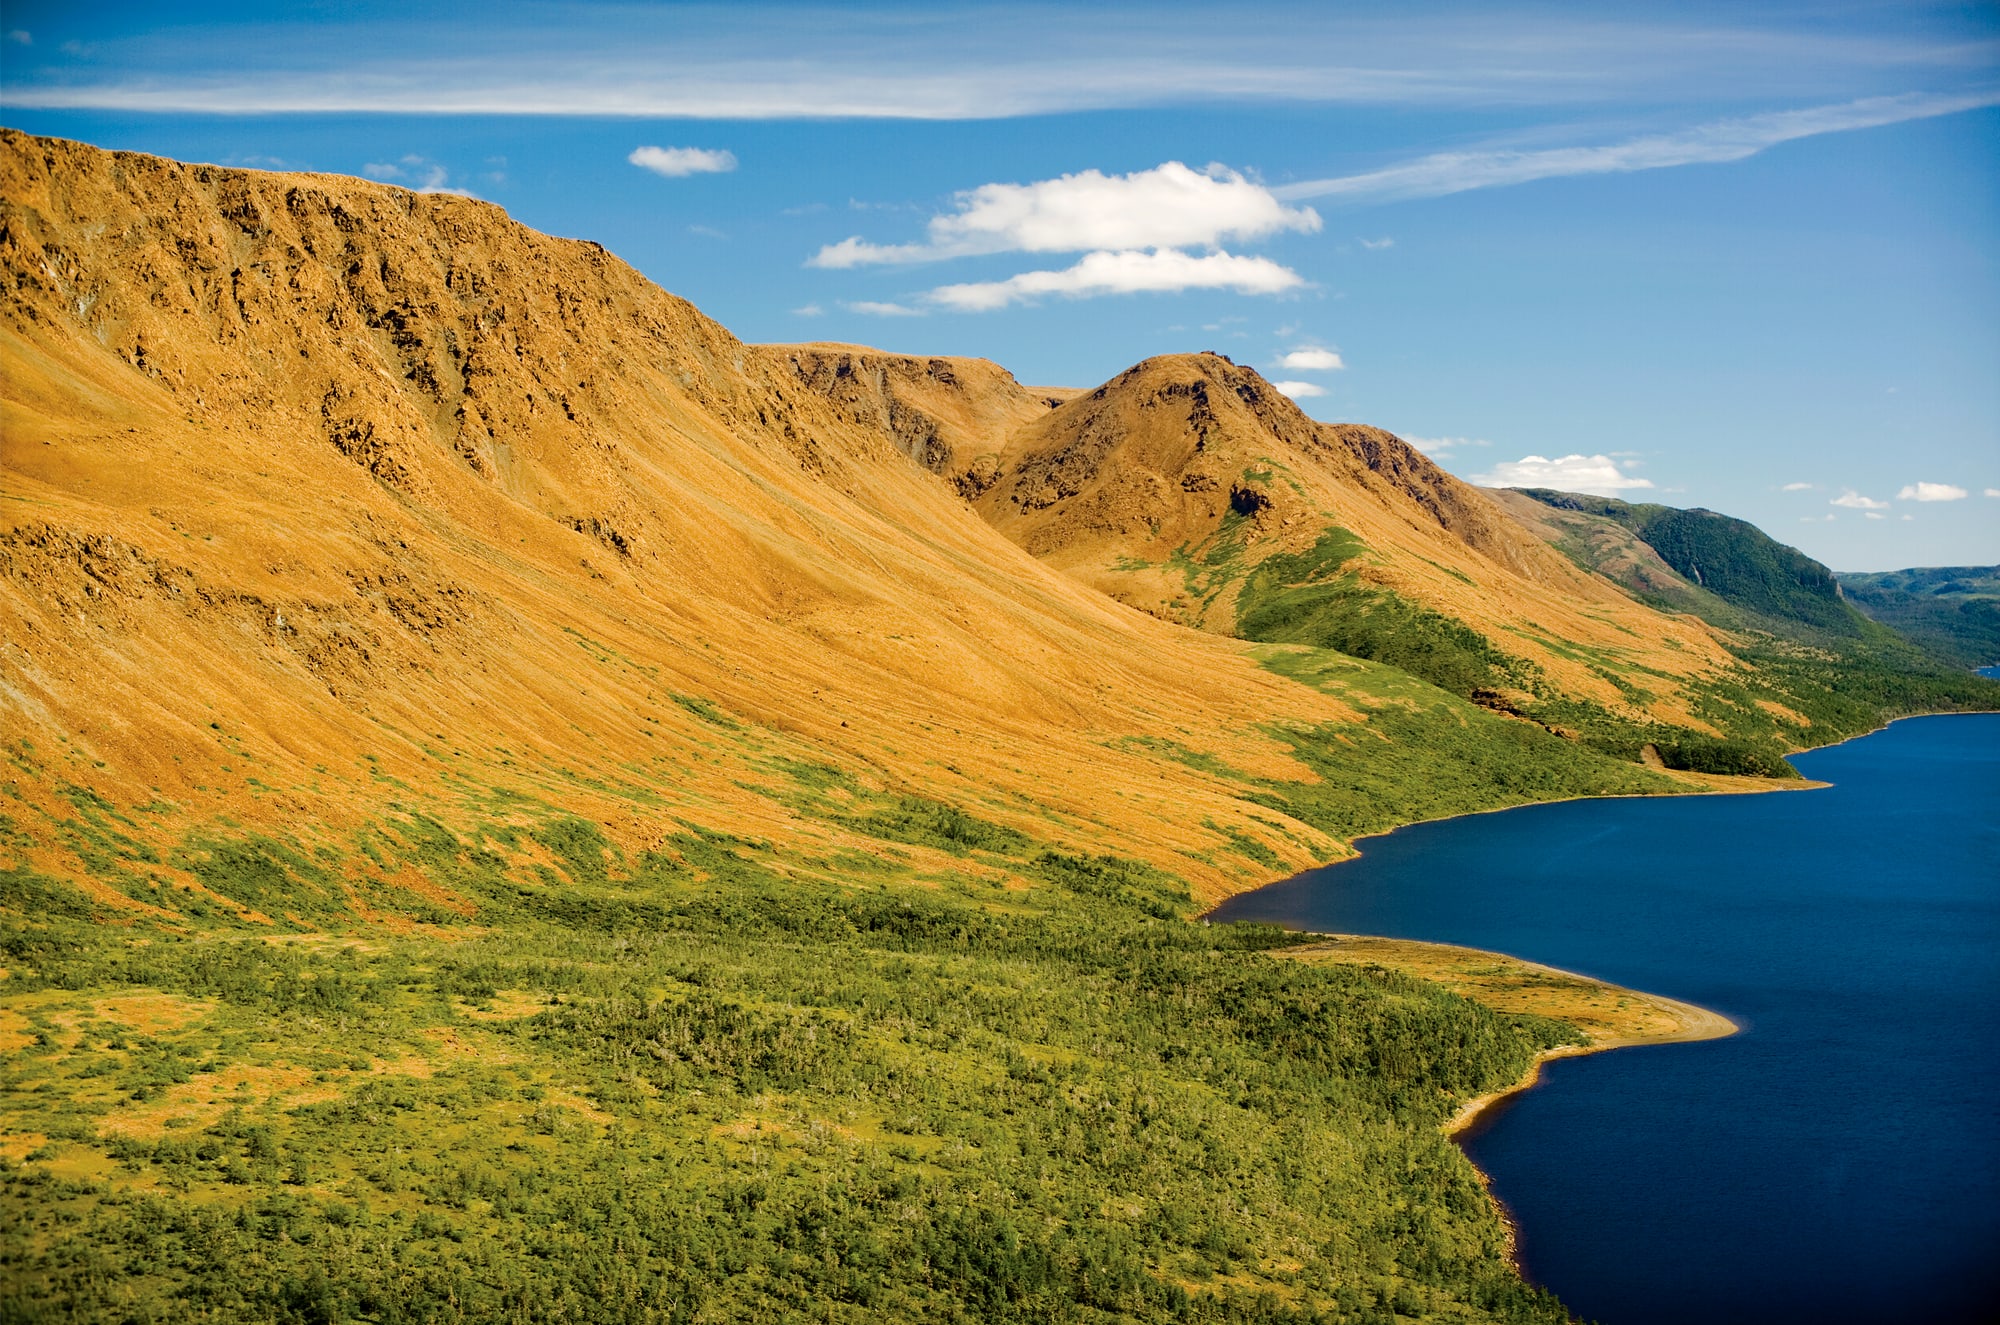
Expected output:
{"points": [[1744, 254]]}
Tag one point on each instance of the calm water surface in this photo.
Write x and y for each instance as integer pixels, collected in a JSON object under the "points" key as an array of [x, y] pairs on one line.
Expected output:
{"points": [[1837, 1161]]}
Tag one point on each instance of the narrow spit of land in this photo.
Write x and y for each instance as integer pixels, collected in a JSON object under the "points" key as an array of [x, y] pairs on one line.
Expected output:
{"points": [[1611, 1016]]}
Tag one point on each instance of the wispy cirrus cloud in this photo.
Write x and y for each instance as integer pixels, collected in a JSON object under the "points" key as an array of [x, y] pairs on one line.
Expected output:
{"points": [[992, 61], [1169, 206], [1713, 143]]}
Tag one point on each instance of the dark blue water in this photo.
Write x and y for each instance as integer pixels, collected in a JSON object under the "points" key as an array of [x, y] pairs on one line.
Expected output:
{"points": [[1837, 1161]]}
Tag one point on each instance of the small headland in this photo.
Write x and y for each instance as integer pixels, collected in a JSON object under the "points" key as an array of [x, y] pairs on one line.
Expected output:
{"points": [[1610, 1016]]}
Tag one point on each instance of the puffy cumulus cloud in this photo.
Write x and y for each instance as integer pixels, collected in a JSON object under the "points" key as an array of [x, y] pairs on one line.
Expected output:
{"points": [[1169, 206], [1596, 474], [1126, 272], [1312, 361], [1932, 492], [1993, 492], [679, 162], [1854, 501], [1300, 390]]}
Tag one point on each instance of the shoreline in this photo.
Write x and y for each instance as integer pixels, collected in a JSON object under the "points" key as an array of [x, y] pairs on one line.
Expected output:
{"points": [[1611, 1016], [1703, 1024]]}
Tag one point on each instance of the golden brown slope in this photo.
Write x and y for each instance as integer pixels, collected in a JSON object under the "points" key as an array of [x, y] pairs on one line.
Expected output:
{"points": [[950, 415], [320, 492], [1168, 485]]}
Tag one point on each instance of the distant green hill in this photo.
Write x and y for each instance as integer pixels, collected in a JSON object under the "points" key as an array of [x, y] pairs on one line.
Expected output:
{"points": [[1730, 558], [1953, 611], [1809, 651]]}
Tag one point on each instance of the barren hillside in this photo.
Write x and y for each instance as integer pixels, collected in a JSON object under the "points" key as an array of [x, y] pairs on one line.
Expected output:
{"points": [[316, 485]]}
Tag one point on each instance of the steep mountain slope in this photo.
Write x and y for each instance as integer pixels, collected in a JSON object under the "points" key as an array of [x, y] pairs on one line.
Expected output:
{"points": [[1954, 611], [530, 475]]}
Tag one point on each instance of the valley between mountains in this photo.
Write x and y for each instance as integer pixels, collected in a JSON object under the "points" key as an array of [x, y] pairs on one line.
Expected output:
{"points": [[522, 805]]}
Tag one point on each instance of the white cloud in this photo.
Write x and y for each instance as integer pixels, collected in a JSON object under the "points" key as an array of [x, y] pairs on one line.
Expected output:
{"points": [[1129, 272], [1598, 474], [1440, 447], [677, 162], [420, 174], [1300, 390], [1169, 206], [1932, 492], [21, 37], [877, 309], [1854, 501], [808, 310], [1718, 141], [1312, 360], [1798, 487], [1873, 515], [1373, 244], [1993, 492]]}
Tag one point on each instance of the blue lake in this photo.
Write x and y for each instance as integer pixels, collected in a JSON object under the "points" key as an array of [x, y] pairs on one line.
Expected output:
{"points": [[1839, 1160]]}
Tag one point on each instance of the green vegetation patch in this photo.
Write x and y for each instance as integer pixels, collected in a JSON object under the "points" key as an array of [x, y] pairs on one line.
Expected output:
{"points": [[704, 1083], [1306, 598]]}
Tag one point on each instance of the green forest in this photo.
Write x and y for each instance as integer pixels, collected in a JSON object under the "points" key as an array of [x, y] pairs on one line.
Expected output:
{"points": [[718, 1082]]}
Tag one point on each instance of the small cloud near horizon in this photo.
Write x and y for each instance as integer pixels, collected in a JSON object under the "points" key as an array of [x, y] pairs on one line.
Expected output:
{"points": [[1932, 492], [875, 308], [1312, 360], [1598, 475], [679, 162], [1798, 487], [1854, 501], [417, 173], [1440, 448], [1300, 390], [808, 310]]}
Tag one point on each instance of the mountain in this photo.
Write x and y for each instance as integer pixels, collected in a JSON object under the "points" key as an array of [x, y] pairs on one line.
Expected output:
{"points": [[1954, 611], [1190, 488]]}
